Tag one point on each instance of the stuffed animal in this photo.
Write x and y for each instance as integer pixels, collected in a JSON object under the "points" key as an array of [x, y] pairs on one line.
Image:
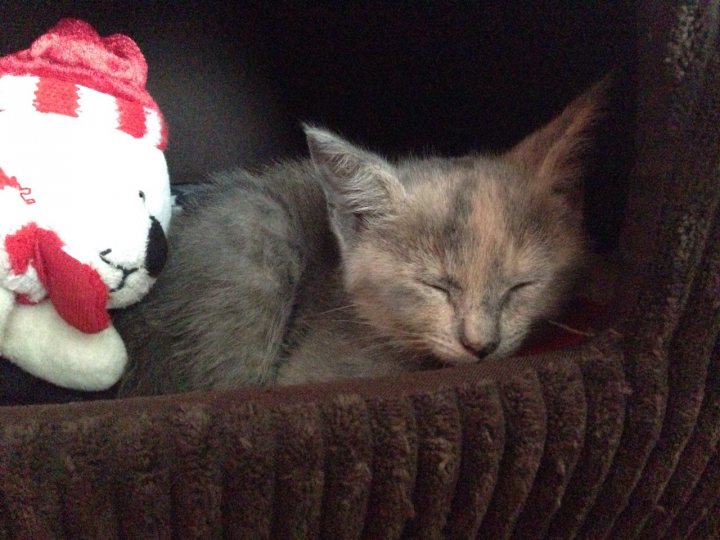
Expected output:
{"points": [[84, 202]]}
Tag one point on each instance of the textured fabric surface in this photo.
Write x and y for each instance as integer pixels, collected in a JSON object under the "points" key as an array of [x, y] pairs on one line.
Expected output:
{"points": [[616, 438], [678, 78]]}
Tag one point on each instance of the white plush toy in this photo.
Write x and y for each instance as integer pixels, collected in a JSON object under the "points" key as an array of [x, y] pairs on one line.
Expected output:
{"points": [[84, 202]]}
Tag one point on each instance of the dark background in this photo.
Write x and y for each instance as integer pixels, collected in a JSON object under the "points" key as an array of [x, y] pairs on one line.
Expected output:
{"points": [[235, 79]]}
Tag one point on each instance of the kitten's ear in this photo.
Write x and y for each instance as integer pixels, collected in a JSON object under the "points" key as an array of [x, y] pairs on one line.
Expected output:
{"points": [[553, 156], [360, 186]]}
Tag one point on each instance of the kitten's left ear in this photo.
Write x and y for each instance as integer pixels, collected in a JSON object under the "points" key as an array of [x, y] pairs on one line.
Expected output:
{"points": [[359, 181], [361, 187], [552, 156]]}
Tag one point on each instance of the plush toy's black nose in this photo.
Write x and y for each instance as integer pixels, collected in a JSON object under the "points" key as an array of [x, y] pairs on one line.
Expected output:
{"points": [[157, 249]]}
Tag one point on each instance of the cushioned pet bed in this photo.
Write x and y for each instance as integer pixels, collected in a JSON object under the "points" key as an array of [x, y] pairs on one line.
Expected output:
{"points": [[609, 435]]}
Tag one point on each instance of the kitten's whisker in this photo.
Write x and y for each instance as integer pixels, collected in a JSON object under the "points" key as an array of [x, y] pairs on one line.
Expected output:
{"points": [[355, 321], [399, 340], [570, 329], [396, 340], [449, 346], [332, 310]]}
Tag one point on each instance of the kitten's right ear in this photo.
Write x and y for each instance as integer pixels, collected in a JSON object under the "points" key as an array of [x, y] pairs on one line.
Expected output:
{"points": [[553, 155], [360, 186]]}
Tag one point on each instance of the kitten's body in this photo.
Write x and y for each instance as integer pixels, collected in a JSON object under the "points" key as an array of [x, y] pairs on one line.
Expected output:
{"points": [[346, 265], [258, 298]]}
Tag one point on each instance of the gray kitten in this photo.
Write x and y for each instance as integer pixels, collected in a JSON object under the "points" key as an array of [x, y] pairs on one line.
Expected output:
{"points": [[347, 265]]}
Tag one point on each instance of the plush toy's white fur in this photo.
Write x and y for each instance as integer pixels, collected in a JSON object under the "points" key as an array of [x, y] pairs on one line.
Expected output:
{"points": [[46, 346], [97, 188]]}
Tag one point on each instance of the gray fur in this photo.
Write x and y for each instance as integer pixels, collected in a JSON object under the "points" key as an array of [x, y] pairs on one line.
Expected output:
{"points": [[347, 265]]}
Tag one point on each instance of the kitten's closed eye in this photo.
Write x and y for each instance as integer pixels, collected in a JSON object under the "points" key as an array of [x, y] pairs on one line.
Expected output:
{"points": [[517, 288], [521, 285], [443, 285]]}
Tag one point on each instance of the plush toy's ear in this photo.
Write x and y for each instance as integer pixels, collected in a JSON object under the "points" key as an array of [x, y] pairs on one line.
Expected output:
{"points": [[76, 291]]}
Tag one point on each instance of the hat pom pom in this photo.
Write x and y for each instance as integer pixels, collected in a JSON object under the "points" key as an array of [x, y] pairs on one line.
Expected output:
{"points": [[75, 43], [73, 51]]}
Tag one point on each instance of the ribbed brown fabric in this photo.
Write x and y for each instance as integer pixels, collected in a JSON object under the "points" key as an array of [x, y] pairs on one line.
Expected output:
{"points": [[694, 458], [689, 358], [87, 471], [196, 474], [483, 426], [525, 429], [616, 438], [394, 467], [690, 128], [299, 472], [438, 462], [709, 527], [605, 393], [564, 396], [248, 444], [704, 499], [143, 490], [348, 462]]}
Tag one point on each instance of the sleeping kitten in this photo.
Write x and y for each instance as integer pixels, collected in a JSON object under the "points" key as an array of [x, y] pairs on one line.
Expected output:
{"points": [[348, 265]]}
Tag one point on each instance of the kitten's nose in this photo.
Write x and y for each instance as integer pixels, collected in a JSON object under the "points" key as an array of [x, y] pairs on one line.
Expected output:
{"points": [[488, 349], [480, 349]]}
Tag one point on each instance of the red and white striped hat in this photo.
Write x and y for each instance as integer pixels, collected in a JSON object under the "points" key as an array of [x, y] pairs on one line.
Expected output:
{"points": [[73, 71]]}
